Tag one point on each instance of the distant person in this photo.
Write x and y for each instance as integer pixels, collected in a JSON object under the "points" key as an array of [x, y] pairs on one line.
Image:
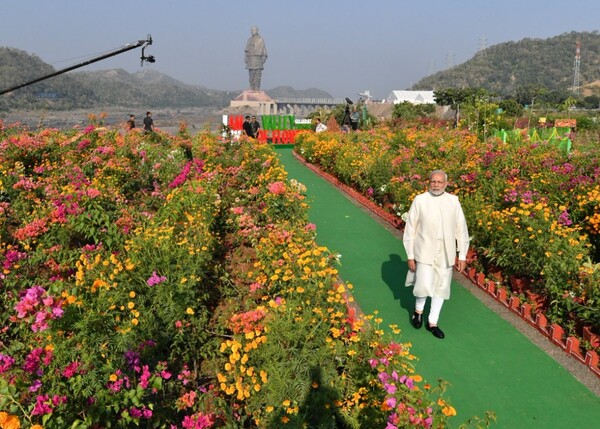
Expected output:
{"points": [[148, 123], [354, 118], [320, 126], [247, 126], [254, 127], [256, 55], [131, 122]]}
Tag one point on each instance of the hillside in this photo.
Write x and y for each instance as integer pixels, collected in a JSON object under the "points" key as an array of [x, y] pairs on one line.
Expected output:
{"points": [[145, 89], [506, 67]]}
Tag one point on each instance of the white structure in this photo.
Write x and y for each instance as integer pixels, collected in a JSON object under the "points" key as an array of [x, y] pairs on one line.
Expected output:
{"points": [[258, 101], [414, 97]]}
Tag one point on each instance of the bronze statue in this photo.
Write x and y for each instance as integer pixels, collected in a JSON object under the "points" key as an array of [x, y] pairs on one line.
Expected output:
{"points": [[256, 55]]}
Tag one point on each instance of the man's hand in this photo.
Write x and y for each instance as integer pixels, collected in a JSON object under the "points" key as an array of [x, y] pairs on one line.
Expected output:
{"points": [[461, 265], [412, 265]]}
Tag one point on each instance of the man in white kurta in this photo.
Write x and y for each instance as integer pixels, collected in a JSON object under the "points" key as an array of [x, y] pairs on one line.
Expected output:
{"points": [[436, 230]]}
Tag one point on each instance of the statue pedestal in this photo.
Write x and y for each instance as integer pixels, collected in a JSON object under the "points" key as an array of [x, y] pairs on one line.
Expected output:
{"points": [[258, 102]]}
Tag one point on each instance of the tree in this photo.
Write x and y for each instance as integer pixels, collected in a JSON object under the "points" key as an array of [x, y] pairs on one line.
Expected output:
{"points": [[408, 110], [511, 107], [455, 97]]}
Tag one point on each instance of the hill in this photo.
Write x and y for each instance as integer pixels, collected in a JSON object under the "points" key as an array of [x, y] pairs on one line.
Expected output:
{"points": [[145, 89], [506, 67]]}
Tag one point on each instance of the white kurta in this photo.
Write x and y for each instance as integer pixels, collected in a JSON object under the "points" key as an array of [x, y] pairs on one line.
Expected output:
{"points": [[436, 229]]}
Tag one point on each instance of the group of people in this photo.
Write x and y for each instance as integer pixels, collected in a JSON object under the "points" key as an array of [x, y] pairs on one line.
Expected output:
{"points": [[148, 122], [251, 127]]}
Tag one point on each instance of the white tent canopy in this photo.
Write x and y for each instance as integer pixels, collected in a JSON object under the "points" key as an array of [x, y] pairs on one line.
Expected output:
{"points": [[414, 97]]}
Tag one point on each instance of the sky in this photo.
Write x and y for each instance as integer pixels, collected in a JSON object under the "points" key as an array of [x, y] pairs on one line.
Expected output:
{"points": [[341, 47]]}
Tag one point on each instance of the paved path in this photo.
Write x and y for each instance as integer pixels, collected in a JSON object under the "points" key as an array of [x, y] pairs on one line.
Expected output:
{"points": [[489, 364]]}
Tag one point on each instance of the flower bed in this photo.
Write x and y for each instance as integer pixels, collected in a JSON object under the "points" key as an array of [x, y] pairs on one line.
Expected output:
{"points": [[532, 208], [160, 281]]}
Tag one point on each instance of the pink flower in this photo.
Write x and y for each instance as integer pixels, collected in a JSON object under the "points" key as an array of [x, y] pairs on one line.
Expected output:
{"points": [[71, 369], [197, 421], [310, 227], [155, 279], [237, 210], [6, 362], [277, 188], [42, 406], [390, 388]]}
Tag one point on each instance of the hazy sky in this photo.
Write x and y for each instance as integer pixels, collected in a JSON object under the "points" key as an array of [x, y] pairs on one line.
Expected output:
{"points": [[342, 47]]}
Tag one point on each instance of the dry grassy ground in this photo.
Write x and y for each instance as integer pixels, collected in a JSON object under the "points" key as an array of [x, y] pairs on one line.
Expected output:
{"points": [[167, 120]]}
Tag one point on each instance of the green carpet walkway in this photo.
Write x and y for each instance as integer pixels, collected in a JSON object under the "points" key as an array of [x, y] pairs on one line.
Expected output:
{"points": [[489, 364]]}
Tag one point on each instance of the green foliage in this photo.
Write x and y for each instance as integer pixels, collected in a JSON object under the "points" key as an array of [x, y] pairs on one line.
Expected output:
{"points": [[410, 111], [511, 107]]}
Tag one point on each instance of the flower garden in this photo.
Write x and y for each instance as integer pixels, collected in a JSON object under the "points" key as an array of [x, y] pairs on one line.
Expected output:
{"points": [[532, 206], [174, 282]]}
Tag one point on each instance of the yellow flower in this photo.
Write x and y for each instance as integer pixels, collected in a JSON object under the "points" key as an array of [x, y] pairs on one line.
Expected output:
{"points": [[134, 322], [37, 427], [189, 311], [132, 294], [449, 410], [130, 305]]}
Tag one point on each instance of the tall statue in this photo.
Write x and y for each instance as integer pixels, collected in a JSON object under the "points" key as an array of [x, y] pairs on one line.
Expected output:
{"points": [[256, 55]]}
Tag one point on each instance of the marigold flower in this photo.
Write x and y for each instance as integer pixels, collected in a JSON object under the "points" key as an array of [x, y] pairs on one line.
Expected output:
{"points": [[449, 411]]}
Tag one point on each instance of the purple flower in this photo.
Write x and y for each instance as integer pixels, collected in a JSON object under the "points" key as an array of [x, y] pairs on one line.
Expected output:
{"points": [[391, 402], [155, 279], [564, 218], [390, 388], [35, 386], [5, 362]]}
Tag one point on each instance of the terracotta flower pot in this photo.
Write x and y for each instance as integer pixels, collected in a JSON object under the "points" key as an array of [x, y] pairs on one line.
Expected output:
{"points": [[538, 301], [519, 284], [590, 336]]}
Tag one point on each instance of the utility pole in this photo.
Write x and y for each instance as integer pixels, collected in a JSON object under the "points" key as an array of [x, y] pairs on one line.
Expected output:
{"points": [[576, 67]]}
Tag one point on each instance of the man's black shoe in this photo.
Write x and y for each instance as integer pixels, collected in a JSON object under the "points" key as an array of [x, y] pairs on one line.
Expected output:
{"points": [[417, 320], [436, 331]]}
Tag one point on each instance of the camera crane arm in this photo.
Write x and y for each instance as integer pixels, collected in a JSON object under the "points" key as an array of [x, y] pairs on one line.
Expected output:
{"points": [[128, 47]]}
